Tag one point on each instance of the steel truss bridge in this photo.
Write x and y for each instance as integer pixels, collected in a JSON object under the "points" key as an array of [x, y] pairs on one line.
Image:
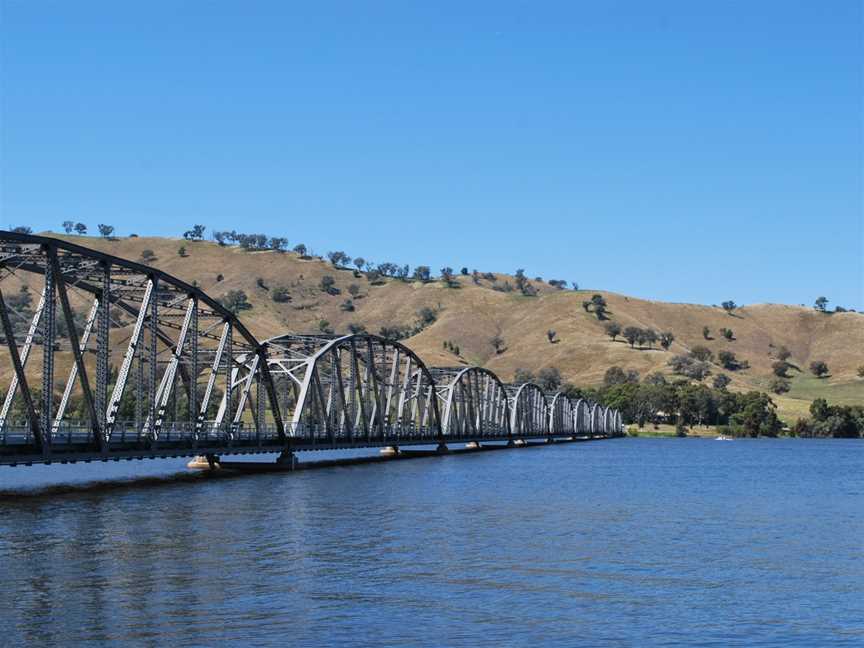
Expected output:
{"points": [[108, 359]]}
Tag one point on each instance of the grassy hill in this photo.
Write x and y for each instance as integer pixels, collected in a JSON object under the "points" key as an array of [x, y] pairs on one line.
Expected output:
{"points": [[468, 315]]}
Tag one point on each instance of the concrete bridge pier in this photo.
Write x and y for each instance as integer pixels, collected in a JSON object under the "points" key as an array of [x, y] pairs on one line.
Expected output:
{"points": [[287, 459], [205, 462]]}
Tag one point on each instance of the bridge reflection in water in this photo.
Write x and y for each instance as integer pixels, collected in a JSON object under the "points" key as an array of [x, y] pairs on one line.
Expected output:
{"points": [[132, 362]]}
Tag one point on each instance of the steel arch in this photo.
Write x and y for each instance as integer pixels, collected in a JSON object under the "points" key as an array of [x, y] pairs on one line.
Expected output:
{"points": [[562, 419], [353, 388], [179, 345], [475, 403], [528, 410], [581, 417]]}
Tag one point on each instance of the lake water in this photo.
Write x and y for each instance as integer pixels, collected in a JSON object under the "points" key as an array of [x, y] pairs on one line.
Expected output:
{"points": [[621, 542]]}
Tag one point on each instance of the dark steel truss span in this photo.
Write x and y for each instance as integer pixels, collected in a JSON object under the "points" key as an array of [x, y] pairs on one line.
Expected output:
{"points": [[106, 358]]}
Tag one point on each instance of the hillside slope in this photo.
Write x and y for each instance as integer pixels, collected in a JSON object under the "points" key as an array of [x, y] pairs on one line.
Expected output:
{"points": [[469, 315]]}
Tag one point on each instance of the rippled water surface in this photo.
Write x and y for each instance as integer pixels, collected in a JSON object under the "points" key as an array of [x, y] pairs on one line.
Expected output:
{"points": [[621, 542]]}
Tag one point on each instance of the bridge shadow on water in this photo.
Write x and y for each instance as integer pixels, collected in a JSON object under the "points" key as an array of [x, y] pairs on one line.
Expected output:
{"points": [[27, 493]]}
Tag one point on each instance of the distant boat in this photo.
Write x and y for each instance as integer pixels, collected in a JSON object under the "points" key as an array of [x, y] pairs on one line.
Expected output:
{"points": [[723, 437]]}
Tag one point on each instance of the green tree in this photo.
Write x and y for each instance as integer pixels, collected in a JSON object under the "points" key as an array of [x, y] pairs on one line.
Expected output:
{"points": [[819, 368], [666, 340], [781, 368], [235, 301], [328, 285], [68, 226], [498, 344], [721, 381], [80, 229], [550, 335], [447, 277], [614, 376], [820, 304], [702, 353], [729, 306], [613, 329], [779, 385], [706, 333], [106, 231], [549, 379], [631, 334]]}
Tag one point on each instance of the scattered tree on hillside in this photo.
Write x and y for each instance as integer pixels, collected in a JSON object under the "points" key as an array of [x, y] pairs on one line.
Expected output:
{"points": [[820, 304], [727, 333], [861, 371], [666, 339], [729, 306], [549, 379], [614, 376], [347, 305], [300, 249], [523, 376], [106, 231], [655, 378], [278, 243], [779, 385], [235, 301], [22, 229], [781, 368], [721, 381], [328, 285], [422, 273], [181, 251], [498, 344], [597, 305], [647, 336], [426, 316], [687, 365], [337, 258], [613, 329], [68, 226], [148, 256], [359, 262], [819, 368], [706, 333], [280, 294], [702, 353], [80, 229], [575, 285], [194, 234], [354, 290], [464, 271], [728, 360], [447, 277], [356, 329], [550, 335], [324, 327], [631, 334]]}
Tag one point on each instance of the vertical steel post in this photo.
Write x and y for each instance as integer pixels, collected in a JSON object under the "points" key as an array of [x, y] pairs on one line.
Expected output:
{"points": [[48, 333]]}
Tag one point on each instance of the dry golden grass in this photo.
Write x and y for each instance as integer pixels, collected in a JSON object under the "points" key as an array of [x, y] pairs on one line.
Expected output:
{"points": [[470, 315]]}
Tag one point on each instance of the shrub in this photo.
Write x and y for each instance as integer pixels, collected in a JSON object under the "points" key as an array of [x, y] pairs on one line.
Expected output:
{"points": [[613, 329], [280, 295], [779, 385], [235, 301], [347, 305], [148, 256], [818, 368]]}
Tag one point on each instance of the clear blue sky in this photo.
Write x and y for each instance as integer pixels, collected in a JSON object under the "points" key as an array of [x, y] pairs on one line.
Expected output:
{"points": [[684, 151]]}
